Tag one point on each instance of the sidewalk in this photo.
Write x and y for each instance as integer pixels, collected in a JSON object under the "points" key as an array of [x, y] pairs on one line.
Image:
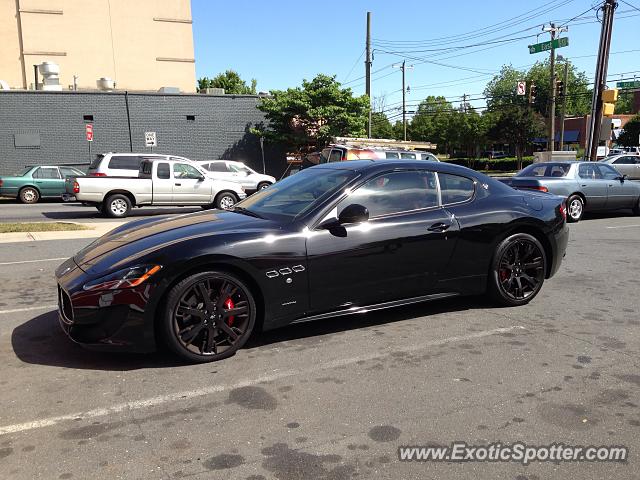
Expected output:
{"points": [[93, 230]]}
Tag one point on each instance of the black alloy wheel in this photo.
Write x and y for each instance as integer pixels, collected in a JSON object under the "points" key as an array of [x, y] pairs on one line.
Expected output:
{"points": [[209, 316], [518, 270]]}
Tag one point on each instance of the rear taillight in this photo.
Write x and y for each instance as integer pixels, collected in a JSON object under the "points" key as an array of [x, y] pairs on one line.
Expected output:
{"points": [[563, 210], [1, 181], [97, 174], [540, 188], [76, 187]]}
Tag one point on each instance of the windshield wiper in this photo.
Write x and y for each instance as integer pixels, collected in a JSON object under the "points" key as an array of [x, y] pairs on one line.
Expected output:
{"points": [[244, 211]]}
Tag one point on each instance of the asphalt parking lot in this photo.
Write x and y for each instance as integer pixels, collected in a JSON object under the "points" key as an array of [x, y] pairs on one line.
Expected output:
{"points": [[334, 399]]}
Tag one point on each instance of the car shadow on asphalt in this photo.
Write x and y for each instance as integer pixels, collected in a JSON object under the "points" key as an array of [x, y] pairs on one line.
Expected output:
{"points": [[92, 212], [40, 341]]}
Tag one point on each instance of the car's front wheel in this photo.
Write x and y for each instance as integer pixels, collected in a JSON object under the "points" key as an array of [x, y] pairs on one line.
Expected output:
{"points": [[263, 185], [208, 316], [575, 208], [29, 195], [518, 270], [225, 200], [117, 206]]}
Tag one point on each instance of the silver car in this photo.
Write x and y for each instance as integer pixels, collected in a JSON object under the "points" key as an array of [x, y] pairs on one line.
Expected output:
{"points": [[626, 163], [587, 186]]}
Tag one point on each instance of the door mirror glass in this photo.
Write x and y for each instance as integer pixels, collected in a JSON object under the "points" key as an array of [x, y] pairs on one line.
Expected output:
{"points": [[354, 213]]}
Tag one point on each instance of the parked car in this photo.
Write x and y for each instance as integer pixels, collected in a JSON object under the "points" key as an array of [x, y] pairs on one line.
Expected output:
{"points": [[160, 182], [587, 186], [628, 164], [233, 171], [331, 240], [123, 164], [494, 154], [36, 182]]}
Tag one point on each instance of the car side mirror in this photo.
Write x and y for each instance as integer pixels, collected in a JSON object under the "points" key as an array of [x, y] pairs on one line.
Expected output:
{"points": [[201, 178], [354, 213], [622, 178]]}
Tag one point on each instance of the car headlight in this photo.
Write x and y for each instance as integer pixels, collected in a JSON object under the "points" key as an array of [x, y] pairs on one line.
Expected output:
{"points": [[126, 278]]}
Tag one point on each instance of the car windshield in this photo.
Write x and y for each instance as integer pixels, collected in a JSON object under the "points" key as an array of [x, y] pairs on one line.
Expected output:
{"points": [[298, 193], [545, 170], [23, 172]]}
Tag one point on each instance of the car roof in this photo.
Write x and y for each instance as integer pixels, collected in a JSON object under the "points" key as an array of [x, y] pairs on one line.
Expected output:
{"points": [[384, 164]]}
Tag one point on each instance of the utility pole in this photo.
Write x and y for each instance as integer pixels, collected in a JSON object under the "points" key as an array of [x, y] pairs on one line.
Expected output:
{"points": [[564, 101], [367, 68], [591, 148], [464, 102], [403, 67]]}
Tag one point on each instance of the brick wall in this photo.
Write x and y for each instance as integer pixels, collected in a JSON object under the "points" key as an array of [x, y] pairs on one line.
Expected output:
{"points": [[217, 127]]}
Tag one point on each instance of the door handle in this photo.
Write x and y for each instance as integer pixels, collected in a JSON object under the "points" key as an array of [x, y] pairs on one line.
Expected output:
{"points": [[583, 185], [439, 227], [178, 184]]}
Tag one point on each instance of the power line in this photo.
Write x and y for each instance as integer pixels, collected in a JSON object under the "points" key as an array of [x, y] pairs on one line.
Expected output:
{"points": [[354, 66]]}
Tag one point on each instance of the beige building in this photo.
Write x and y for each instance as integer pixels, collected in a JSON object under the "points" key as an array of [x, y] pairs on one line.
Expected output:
{"points": [[140, 44]]}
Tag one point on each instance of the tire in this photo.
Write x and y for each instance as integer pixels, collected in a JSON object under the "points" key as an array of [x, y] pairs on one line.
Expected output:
{"points": [[575, 208], [189, 320], [117, 206], [636, 208], [263, 185], [225, 200], [29, 195], [100, 207], [517, 270]]}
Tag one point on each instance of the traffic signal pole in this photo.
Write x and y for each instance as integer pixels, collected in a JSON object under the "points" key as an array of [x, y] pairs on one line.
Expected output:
{"points": [[599, 85], [564, 103]]}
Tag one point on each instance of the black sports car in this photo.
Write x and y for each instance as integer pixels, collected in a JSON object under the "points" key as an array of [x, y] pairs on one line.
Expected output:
{"points": [[332, 240]]}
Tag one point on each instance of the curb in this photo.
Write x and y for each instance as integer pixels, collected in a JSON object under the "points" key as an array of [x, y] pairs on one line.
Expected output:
{"points": [[94, 230]]}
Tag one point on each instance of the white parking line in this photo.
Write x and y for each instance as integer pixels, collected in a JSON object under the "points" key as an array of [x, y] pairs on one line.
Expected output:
{"points": [[190, 394], [34, 261], [28, 309], [625, 226]]}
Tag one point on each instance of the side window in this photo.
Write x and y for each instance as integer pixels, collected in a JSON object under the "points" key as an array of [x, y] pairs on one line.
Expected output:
{"points": [[455, 189], [625, 161], [608, 172], [589, 171], [391, 155], [69, 172], [411, 156], [164, 172], [182, 170], [395, 192], [46, 173], [335, 155], [218, 167], [125, 163]]}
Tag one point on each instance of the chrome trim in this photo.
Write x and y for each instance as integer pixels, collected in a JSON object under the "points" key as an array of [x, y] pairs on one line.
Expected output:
{"points": [[285, 271], [298, 268], [272, 274]]}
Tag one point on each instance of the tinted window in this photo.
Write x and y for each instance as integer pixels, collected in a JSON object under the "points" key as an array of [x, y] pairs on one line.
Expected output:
{"points": [[533, 171], [70, 172], [96, 161], [395, 192], [625, 161], [608, 172], [46, 172], [335, 155], [391, 155], [218, 167], [125, 163], [297, 193], [589, 171], [546, 170], [182, 170], [408, 155], [455, 189], [164, 171]]}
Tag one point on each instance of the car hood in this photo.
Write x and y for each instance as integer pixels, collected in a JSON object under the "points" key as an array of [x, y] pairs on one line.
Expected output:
{"points": [[150, 234]]}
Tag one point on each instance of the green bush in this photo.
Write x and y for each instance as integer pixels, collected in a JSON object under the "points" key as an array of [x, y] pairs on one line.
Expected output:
{"points": [[499, 164]]}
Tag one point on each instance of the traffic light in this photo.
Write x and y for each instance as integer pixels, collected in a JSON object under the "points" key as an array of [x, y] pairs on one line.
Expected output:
{"points": [[560, 88], [533, 91], [609, 98]]}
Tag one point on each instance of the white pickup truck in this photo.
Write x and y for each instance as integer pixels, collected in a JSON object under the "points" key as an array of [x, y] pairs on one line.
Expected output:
{"points": [[160, 182]]}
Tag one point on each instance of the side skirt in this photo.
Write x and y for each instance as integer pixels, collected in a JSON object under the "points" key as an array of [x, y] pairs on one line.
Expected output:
{"points": [[374, 307]]}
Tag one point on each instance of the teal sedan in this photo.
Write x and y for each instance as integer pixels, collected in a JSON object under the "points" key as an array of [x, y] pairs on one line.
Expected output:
{"points": [[36, 182]]}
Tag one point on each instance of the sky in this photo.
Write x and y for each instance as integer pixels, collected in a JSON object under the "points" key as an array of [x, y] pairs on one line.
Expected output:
{"points": [[282, 42]]}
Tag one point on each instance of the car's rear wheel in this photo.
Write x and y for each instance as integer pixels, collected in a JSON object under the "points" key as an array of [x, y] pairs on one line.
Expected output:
{"points": [[263, 185], [208, 316], [518, 270], [29, 195], [226, 200], [117, 206], [575, 208]]}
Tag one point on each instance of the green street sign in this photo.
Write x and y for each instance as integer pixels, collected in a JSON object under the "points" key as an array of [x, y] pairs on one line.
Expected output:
{"points": [[625, 85], [545, 46]]}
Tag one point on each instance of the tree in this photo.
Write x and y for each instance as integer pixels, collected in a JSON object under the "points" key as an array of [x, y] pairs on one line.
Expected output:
{"points": [[578, 94], [630, 135], [625, 103], [517, 126], [381, 126], [307, 117], [501, 90], [230, 81], [431, 122]]}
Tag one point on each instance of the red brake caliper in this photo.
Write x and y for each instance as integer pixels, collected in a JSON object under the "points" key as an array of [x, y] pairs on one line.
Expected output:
{"points": [[228, 304], [504, 274]]}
